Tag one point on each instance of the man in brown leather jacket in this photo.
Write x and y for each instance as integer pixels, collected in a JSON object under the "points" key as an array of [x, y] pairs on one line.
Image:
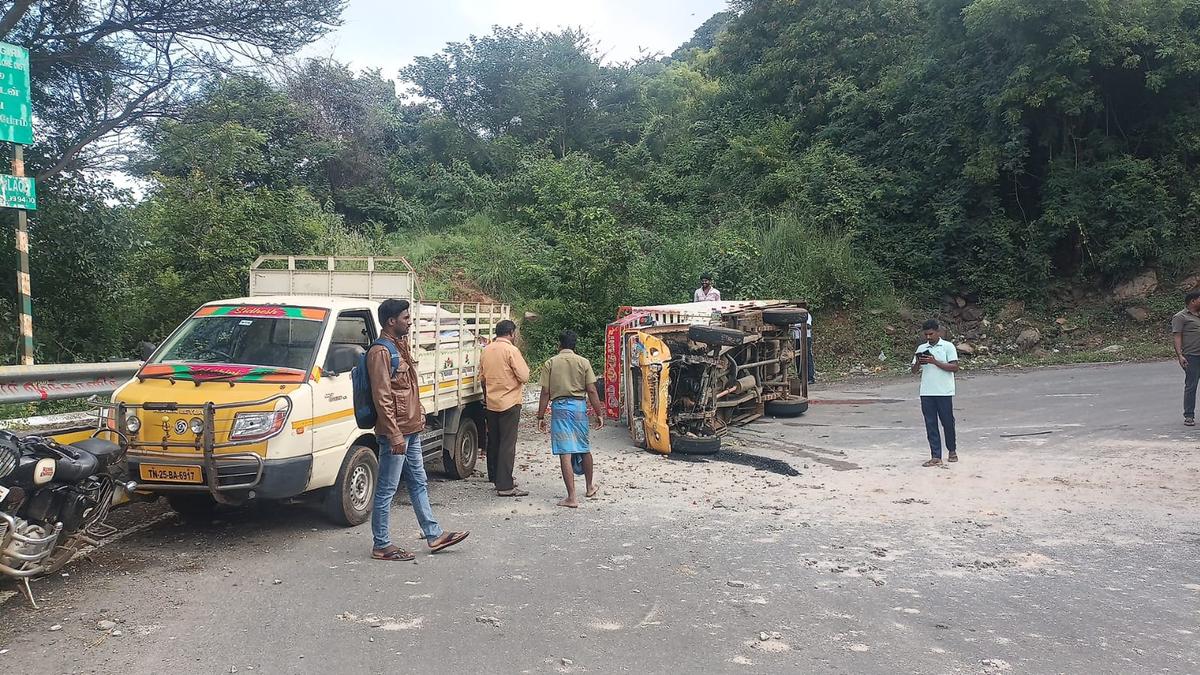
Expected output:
{"points": [[398, 431]]}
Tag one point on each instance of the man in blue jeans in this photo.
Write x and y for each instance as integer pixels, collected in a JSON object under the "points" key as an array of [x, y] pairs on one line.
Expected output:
{"points": [[937, 360], [398, 430]]}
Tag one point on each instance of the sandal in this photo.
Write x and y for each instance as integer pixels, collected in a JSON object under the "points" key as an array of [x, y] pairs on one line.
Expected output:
{"points": [[449, 539], [394, 553], [1189, 421], [953, 457], [933, 462], [593, 492], [512, 493]]}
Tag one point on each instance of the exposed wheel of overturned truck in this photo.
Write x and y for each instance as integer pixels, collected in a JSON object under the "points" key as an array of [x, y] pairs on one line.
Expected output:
{"points": [[783, 316], [695, 445], [793, 406], [716, 336], [350, 499]]}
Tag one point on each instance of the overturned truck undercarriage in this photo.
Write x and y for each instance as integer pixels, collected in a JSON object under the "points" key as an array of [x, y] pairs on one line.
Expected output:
{"points": [[687, 373]]}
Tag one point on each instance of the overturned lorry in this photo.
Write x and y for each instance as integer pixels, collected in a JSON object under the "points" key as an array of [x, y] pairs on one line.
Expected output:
{"points": [[682, 375]]}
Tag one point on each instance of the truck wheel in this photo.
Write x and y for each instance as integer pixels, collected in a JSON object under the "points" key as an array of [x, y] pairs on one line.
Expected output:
{"points": [[459, 461], [192, 505], [793, 406], [695, 445], [784, 316], [716, 336], [348, 502]]}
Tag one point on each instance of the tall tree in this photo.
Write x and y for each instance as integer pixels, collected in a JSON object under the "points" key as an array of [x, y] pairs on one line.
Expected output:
{"points": [[102, 67]]}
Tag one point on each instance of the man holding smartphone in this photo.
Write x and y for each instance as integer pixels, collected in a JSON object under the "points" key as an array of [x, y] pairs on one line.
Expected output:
{"points": [[937, 360]]}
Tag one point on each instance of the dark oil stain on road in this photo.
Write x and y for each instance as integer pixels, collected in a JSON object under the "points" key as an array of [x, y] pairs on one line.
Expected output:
{"points": [[734, 457]]}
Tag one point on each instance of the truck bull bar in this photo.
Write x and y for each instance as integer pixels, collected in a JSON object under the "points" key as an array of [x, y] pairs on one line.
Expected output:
{"points": [[204, 446]]}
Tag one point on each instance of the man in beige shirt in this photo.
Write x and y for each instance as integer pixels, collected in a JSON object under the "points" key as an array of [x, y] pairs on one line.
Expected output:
{"points": [[504, 374], [393, 375], [568, 386]]}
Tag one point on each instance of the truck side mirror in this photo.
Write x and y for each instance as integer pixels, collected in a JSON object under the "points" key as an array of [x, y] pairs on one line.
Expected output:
{"points": [[146, 350], [341, 359]]}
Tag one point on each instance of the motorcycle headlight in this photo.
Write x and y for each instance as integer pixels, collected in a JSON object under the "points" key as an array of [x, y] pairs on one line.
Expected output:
{"points": [[9, 457], [250, 426]]}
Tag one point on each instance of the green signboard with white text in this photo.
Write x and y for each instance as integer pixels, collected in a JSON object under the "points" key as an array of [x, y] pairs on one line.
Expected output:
{"points": [[17, 193], [16, 115]]}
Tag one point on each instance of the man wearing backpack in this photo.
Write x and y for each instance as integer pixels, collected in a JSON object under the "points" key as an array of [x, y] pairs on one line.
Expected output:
{"points": [[393, 378]]}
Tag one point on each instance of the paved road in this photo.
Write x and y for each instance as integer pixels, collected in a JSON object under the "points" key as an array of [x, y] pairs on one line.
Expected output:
{"points": [[1064, 541]]}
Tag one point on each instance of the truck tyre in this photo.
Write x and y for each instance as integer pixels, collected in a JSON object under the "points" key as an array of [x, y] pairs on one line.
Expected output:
{"points": [[793, 406], [716, 336], [348, 502], [784, 316], [695, 445], [459, 461], [192, 505]]}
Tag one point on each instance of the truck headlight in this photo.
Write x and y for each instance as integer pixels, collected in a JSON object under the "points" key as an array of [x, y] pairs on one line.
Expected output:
{"points": [[197, 426], [249, 426], [133, 424]]}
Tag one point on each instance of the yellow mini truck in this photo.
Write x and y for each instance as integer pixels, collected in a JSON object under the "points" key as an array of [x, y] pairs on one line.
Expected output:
{"points": [[251, 399]]}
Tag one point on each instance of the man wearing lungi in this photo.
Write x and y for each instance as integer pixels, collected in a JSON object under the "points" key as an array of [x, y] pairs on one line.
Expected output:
{"points": [[568, 387]]}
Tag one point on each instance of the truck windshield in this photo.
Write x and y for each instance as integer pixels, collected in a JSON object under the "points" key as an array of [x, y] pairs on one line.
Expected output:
{"points": [[244, 338]]}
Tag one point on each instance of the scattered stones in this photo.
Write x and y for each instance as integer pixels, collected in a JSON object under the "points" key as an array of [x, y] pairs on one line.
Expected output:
{"points": [[965, 348], [889, 329], [1028, 339], [995, 665], [1062, 321], [858, 647], [566, 662], [277, 582], [116, 633], [773, 635], [1138, 314], [489, 620], [733, 583], [106, 625], [1111, 349], [1191, 283]]}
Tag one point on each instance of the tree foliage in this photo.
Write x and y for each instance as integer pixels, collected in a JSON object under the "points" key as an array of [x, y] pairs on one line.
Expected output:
{"points": [[841, 150]]}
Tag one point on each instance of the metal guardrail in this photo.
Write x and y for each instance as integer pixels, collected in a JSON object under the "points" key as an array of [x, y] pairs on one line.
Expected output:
{"points": [[51, 382]]}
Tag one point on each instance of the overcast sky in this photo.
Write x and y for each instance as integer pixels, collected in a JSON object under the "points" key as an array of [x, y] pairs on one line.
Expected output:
{"points": [[387, 34]]}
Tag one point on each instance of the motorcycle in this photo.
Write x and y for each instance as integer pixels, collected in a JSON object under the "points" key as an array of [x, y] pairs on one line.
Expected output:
{"points": [[54, 499]]}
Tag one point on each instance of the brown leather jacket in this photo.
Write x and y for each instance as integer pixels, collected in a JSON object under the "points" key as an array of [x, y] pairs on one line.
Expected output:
{"points": [[396, 397]]}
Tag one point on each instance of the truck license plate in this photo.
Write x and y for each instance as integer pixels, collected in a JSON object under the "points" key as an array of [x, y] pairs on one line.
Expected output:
{"points": [[169, 473]]}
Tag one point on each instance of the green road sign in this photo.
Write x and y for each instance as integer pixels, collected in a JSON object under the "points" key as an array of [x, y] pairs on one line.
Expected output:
{"points": [[17, 193], [16, 115]]}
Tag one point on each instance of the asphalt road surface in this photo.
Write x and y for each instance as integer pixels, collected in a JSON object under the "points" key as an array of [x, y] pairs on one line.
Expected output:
{"points": [[1065, 540]]}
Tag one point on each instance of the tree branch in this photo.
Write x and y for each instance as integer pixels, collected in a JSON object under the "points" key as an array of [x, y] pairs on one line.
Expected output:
{"points": [[133, 110], [14, 15]]}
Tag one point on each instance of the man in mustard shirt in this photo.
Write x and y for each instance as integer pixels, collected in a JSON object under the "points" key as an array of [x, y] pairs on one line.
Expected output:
{"points": [[568, 386], [504, 374]]}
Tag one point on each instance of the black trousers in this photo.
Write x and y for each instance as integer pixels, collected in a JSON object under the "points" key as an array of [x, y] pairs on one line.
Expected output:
{"points": [[502, 446], [1190, 379], [935, 408]]}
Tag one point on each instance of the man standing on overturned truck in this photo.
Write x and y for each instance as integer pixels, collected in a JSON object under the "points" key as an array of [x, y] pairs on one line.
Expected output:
{"points": [[393, 375]]}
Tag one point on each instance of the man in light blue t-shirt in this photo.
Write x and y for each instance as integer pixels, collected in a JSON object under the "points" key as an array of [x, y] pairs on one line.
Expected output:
{"points": [[937, 360]]}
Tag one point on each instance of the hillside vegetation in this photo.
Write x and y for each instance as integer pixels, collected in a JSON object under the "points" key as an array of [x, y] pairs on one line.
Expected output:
{"points": [[866, 155]]}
